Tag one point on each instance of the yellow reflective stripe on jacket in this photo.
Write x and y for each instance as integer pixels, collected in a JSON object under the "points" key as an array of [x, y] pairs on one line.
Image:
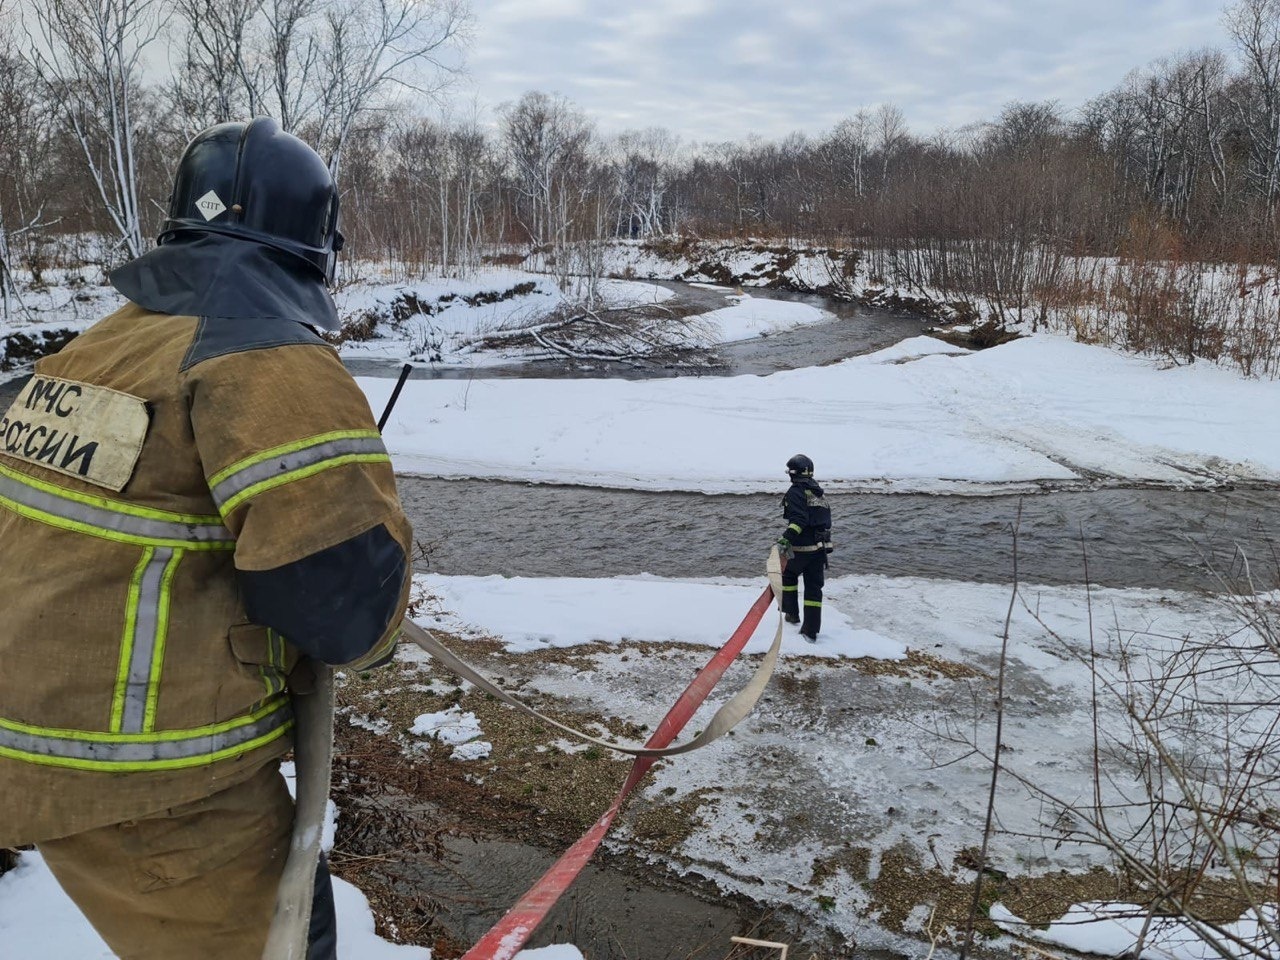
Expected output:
{"points": [[272, 671], [293, 461], [110, 519], [140, 752], [796, 527], [378, 653]]}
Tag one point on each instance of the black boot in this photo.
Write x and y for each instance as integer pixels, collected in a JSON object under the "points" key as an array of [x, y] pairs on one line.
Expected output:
{"points": [[792, 617], [812, 622]]}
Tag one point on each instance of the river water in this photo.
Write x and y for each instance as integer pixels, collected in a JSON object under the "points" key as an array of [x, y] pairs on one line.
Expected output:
{"points": [[1163, 539], [1157, 538]]}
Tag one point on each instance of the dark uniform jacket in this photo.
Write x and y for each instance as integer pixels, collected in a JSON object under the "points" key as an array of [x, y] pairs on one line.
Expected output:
{"points": [[186, 503], [807, 514]]}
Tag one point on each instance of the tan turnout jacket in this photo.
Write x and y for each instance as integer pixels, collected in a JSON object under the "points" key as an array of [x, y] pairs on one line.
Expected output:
{"points": [[138, 468]]}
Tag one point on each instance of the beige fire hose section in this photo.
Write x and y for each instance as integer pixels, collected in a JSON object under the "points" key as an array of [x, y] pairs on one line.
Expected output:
{"points": [[313, 762], [724, 720]]}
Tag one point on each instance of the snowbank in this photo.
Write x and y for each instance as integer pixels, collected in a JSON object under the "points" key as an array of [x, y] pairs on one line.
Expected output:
{"points": [[748, 317], [38, 920], [533, 614], [920, 416], [439, 321], [1116, 929]]}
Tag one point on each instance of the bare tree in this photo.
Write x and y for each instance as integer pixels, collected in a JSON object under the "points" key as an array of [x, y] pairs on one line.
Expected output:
{"points": [[1168, 126], [547, 140], [215, 81], [643, 162], [375, 46], [1255, 27], [850, 145], [88, 54], [24, 140], [890, 132], [290, 58]]}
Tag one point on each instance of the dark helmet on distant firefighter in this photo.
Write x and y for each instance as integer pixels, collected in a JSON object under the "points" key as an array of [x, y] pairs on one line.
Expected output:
{"points": [[254, 181], [800, 466]]}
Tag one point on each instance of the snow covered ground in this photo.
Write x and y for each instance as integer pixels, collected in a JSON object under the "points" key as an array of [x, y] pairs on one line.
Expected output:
{"points": [[568, 612], [453, 315], [863, 754], [440, 320], [922, 416], [840, 763]]}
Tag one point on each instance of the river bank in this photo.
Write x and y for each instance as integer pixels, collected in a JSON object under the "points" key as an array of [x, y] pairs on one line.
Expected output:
{"points": [[842, 817]]}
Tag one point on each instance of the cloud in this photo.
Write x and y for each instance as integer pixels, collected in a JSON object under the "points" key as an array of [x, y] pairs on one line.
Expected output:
{"points": [[723, 69]]}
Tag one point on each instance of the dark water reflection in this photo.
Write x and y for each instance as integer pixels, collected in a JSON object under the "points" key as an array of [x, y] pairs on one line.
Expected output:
{"points": [[1133, 538]]}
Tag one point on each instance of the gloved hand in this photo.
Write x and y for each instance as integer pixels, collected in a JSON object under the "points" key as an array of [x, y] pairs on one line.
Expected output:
{"points": [[785, 549]]}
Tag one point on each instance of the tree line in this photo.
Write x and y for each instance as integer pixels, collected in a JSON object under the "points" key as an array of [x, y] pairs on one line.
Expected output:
{"points": [[1178, 164]]}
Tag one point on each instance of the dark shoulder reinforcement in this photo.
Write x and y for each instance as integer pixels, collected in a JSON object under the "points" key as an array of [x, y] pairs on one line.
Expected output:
{"points": [[219, 336]]}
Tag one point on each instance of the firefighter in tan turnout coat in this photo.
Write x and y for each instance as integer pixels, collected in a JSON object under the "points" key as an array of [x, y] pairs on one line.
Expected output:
{"points": [[193, 494]]}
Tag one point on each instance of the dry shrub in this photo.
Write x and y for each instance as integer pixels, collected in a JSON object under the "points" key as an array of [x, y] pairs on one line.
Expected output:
{"points": [[363, 326], [503, 259], [672, 247]]}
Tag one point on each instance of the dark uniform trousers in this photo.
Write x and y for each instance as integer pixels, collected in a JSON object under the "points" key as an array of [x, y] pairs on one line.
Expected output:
{"points": [[812, 565]]}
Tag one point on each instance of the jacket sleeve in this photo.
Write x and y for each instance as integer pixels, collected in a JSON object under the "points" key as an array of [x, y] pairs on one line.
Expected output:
{"points": [[795, 512], [299, 474]]}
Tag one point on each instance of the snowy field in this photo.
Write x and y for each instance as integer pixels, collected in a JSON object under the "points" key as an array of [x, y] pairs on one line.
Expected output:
{"points": [[838, 759], [922, 416]]}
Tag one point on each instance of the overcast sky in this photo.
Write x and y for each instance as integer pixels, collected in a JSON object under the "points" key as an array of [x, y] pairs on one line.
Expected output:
{"points": [[724, 69]]}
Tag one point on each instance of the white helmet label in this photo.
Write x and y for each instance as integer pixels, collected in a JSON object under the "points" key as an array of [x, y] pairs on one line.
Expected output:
{"points": [[210, 205]]}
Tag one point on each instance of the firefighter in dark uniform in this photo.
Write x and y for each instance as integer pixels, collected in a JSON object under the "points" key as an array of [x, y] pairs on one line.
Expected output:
{"points": [[193, 496], [804, 546]]}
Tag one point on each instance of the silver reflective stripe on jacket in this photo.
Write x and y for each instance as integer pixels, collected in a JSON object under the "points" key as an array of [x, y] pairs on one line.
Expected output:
{"points": [[142, 647], [172, 749], [239, 482], [99, 517]]}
